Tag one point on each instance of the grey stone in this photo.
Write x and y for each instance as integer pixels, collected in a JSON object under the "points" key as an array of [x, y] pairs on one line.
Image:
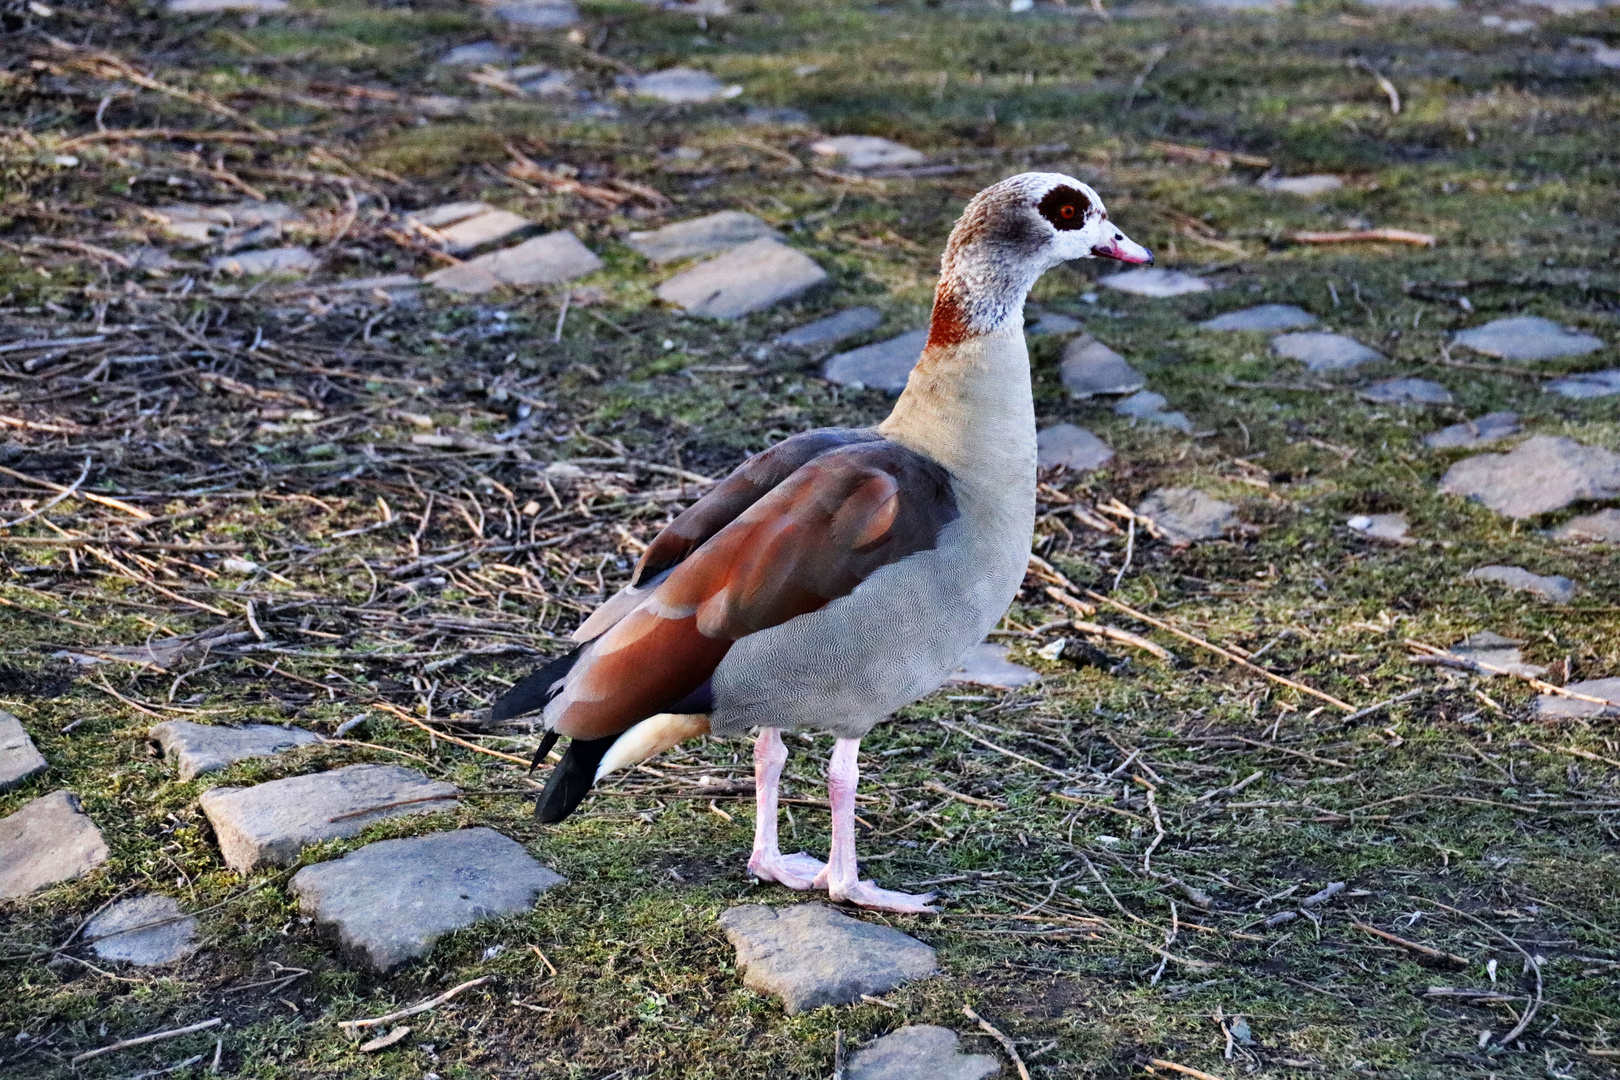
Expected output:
{"points": [[200, 224], [476, 54], [1508, 26], [920, 1052], [1071, 447], [1187, 514], [286, 260], [746, 279], [699, 236], [268, 825], [1487, 429], [19, 757], [1587, 384], [1408, 391], [1156, 283], [123, 931], [1499, 652], [810, 955], [550, 84], [758, 115], [1263, 317], [542, 260], [483, 228], [201, 748], [833, 328], [1148, 406], [1558, 589], [1602, 526], [210, 7], [883, 365], [1056, 324], [1321, 351], [537, 14], [1089, 368], [437, 217], [1542, 473], [1556, 705], [986, 664], [682, 86], [1527, 337], [868, 152], [389, 901], [1304, 186], [47, 841], [1390, 528]]}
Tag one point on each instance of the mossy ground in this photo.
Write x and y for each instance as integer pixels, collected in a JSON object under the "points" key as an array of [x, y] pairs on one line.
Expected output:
{"points": [[1454, 795]]}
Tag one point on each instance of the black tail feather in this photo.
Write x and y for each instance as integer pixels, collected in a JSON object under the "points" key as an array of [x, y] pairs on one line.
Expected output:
{"points": [[571, 780], [540, 752], [533, 690]]}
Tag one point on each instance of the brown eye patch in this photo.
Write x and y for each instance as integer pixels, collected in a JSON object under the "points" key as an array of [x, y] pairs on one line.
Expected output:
{"points": [[1067, 207]]}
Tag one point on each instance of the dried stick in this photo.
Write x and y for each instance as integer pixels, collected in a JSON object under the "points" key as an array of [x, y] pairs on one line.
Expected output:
{"points": [[1469, 663], [63, 494], [1185, 1070], [1421, 950], [1530, 1013], [996, 1034], [394, 710], [142, 1040], [1353, 236], [431, 1003], [104, 500]]}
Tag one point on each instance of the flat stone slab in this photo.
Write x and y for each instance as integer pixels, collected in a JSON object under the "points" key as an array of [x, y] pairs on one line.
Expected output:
{"points": [[268, 825], [699, 236], [543, 260], [202, 748], [1321, 351], [1603, 526], [123, 932], [1390, 528], [868, 152], [390, 901], [1556, 705], [1408, 392], [1490, 648], [210, 7], [1589, 384], [283, 260], [1056, 324], [476, 54], [1542, 473], [1263, 317], [882, 365], [1554, 587], [1090, 368], [1072, 447], [833, 328], [920, 1052], [682, 86], [1527, 337], [47, 841], [1304, 186], [986, 664], [1156, 283], [437, 217], [810, 955], [537, 14], [1487, 429], [19, 757], [487, 227], [746, 279], [201, 224], [1147, 406], [1187, 514]]}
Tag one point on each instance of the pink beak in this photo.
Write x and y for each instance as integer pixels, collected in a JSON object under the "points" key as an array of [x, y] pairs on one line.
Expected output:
{"points": [[1124, 249]]}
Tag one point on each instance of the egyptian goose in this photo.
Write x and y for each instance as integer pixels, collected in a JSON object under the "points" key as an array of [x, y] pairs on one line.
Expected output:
{"points": [[843, 573]]}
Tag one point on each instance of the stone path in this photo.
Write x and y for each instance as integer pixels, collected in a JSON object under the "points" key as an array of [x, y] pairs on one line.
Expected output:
{"points": [[919, 1052], [1390, 528], [124, 932], [1263, 317], [201, 748], [746, 279], [1304, 186], [1558, 589], [1491, 648], [462, 227], [1408, 391], [1602, 526], [1155, 283], [1090, 368], [682, 86], [390, 901], [1590, 384], [285, 260], [543, 260], [1056, 324], [47, 841], [699, 236], [1540, 474], [1187, 514], [986, 664], [1072, 447], [833, 328], [477, 54], [1526, 337], [1556, 705], [1148, 406], [19, 757], [1489, 428], [269, 824], [868, 152], [883, 365], [810, 955], [537, 14], [1321, 351]]}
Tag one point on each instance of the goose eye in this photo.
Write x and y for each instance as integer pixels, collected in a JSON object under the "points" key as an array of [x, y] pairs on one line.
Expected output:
{"points": [[1067, 211]]}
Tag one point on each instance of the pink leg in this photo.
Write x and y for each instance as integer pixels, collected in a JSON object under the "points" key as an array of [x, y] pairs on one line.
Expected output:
{"points": [[767, 862], [842, 875]]}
